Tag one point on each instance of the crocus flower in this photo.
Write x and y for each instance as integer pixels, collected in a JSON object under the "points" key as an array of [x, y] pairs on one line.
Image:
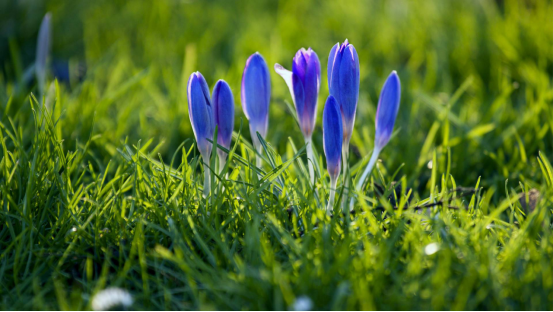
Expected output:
{"points": [[42, 52], [201, 113], [256, 95], [386, 113], [332, 143], [223, 112], [303, 82], [201, 118], [343, 82]]}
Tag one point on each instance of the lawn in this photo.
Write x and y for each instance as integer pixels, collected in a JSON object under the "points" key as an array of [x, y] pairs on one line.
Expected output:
{"points": [[101, 181]]}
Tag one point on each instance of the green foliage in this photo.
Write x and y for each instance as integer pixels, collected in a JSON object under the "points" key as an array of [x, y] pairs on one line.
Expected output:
{"points": [[101, 183]]}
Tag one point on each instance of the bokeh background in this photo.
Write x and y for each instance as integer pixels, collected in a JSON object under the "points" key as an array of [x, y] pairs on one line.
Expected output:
{"points": [[476, 75]]}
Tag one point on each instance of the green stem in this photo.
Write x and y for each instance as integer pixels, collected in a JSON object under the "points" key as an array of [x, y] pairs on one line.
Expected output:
{"points": [[330, 206], [368, 170], [310, 161], [345, 170], [207, 182], [222, 161], [258, 160]]}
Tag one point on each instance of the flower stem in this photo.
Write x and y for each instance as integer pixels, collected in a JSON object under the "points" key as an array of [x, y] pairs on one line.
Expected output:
{"points": [[310, 161], [368, 170], [222, 161], [330, 205], [345, 170], [258, 160], [207, 182]]}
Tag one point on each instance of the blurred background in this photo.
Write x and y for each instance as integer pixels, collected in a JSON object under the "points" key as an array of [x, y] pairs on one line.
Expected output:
{"points": [[476, 75]]}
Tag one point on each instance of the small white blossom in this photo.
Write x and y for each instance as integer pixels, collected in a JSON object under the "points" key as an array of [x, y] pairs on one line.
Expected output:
{"points": [[110, 298]]}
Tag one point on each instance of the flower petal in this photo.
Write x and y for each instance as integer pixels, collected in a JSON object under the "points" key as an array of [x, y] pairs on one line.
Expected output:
{"points": [[201, 115], [256, 92], [223, 112], [332, 136], [287, 76], [311, 84], [388, 107], [331, 61]]}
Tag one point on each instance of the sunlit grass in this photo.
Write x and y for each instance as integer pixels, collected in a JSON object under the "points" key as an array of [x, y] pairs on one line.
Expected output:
{"points": [[104, 187]]}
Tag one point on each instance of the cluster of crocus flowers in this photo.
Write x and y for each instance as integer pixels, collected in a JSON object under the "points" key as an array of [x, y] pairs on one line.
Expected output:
{"points": [[304, 82], [343, 84], [206, 113]]}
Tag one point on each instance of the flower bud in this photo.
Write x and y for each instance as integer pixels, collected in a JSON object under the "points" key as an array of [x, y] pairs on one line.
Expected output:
{"points": [[303, 82], [223, 112], [332, 136], [256, 95], [201, 113], [343, 82], [388, 106]]}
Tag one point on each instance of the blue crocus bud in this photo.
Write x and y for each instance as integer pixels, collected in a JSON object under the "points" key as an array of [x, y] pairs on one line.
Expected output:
{"points": [[256, 95], [386, 113], [201, 113], [304, 81], [43, 52], [388, 106], [332, 144], [332, 136], [223, 111], [343, 81]]}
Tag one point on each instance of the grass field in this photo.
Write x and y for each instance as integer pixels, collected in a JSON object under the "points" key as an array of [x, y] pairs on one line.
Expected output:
{"points": [[101, 182]]}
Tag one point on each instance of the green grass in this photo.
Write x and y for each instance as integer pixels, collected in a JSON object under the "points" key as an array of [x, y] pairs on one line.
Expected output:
{"points": [[102, 185]]}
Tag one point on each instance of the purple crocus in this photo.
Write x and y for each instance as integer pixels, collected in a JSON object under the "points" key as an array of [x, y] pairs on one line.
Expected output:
{"points": [[223, 112], [332, 144], [256, 96], [201, 118], [304, 81], [343, 82], [201, 113], [386, 113]]}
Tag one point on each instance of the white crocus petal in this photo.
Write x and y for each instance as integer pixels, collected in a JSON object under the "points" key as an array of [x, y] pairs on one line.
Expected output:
{"points": [[287, 76]]}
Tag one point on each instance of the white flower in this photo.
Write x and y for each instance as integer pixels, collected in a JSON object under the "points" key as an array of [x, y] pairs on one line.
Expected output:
{"points": [[110, 298]]}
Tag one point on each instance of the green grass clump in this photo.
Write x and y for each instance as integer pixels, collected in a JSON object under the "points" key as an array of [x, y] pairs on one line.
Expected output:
{"points": [[101, 184]]}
